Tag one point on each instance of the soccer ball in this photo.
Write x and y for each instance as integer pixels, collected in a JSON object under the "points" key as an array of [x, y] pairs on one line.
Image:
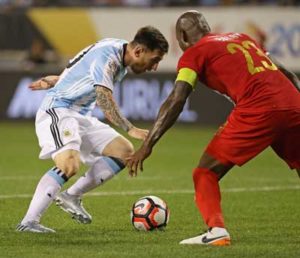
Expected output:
{"points": [[149, 213]]}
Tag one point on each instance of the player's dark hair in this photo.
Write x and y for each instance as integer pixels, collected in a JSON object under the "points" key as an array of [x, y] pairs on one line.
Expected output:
{"points": [[152, 38]]}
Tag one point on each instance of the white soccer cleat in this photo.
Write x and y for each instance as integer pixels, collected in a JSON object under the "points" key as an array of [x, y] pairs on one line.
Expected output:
{"points": [[73, 205], [214, 236], [33, 226]]}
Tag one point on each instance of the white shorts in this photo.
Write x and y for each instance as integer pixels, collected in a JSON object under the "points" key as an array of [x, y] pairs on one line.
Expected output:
{"points": [[60, 129]]}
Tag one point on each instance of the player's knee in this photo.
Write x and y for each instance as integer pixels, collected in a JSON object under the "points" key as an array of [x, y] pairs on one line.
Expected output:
{"points": [[128, 149], [125, 151], [209, 163], [120, 148], [70, 166], [68, 162]]}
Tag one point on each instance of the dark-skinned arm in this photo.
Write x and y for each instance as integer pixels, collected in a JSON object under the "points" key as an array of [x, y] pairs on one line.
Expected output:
{"points": [[167, 116], [169, 112], [289, 74]]}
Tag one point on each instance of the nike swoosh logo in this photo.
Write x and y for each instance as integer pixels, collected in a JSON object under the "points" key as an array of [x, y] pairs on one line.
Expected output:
{"points": [[207, 240]]}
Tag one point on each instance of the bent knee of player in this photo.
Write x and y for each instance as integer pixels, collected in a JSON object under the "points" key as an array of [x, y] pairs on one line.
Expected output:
{"points": [[128, 149], [214, 165], [71, 166], [126, 152], [120, 148], [69, 163]]}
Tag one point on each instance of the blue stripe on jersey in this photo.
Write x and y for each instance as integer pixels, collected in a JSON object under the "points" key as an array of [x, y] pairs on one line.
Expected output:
{"points": [[98, 64]]}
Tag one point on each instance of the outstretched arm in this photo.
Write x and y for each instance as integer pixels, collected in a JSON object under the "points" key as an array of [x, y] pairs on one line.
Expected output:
{"points": [[44, 83], [289, 74], [109, 107], [168, 114]]}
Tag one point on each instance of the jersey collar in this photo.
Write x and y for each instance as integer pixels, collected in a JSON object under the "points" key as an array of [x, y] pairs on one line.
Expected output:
{"points": [[124, 52]]}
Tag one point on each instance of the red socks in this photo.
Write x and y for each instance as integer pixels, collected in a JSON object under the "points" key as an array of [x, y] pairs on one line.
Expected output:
{"points": [[208, 197]]}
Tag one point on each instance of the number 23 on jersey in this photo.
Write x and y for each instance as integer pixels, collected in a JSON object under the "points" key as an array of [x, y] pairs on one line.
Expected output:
{"points": [[244, 48]]}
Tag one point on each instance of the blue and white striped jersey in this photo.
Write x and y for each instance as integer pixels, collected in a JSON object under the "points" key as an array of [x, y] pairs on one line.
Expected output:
{"points": [[98, 64]]}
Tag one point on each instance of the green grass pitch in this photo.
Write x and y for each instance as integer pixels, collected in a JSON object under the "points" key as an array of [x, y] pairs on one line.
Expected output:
{"points": [[260, 202]]}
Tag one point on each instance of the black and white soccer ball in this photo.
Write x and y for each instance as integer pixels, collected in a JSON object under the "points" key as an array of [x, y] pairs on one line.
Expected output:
{"points": [[149, 213]]}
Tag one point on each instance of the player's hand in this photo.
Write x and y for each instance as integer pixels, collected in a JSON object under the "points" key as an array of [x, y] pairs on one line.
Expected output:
{"points": [[44, 83], [135, 161], [138, 133]]}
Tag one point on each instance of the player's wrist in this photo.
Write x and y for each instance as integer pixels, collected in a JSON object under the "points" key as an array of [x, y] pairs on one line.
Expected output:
{"points": [[46, 84]]}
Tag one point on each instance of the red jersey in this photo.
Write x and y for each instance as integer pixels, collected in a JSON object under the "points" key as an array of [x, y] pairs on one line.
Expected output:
{"points": [[234, 65]]}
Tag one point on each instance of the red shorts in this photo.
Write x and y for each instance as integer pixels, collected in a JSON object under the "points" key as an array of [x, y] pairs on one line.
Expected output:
{"points": [[245, 135]]}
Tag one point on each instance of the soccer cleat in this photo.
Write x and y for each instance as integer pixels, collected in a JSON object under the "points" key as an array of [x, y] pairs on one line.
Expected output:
{"points": [[33, 226], [214, 236], [72, 205]]}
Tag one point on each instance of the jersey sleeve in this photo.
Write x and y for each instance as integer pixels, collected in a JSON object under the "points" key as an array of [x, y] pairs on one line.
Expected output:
{"points": [[102, 72], [190, 67]]}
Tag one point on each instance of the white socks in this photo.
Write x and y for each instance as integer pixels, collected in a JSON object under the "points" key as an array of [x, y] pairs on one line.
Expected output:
{"points": [[46, 190], [104, 169], [50, 184]]}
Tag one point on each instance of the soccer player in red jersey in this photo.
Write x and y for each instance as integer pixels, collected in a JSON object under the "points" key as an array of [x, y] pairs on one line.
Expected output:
{"points": [[266, 112]]}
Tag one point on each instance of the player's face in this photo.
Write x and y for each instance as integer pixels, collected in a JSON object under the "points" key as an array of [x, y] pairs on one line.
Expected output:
{"points": [[146, 60]]}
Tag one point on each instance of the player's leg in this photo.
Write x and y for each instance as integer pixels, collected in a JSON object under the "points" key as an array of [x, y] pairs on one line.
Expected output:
{"points": [[207, 192], [110, 155], [58, 135], [67, 164], [241, 139], [107, 166], [206, 178], [110, 163]]}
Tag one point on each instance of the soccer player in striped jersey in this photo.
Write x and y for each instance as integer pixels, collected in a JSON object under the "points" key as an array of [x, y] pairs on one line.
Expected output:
{"points": [[266, 112], [68, 133]]}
